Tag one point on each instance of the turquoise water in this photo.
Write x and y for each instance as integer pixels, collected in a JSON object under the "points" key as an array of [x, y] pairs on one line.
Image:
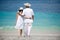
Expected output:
{"points": [[41, 19]]}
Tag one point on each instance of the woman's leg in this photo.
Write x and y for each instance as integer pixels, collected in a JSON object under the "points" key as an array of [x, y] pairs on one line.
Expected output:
{"points": [[20, 32]]}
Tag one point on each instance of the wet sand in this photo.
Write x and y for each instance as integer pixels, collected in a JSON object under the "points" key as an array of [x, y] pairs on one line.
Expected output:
{"points": [[35, 35]]}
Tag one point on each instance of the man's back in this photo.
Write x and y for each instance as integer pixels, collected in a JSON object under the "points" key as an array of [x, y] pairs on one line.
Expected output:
{"points": [[28, 12]]}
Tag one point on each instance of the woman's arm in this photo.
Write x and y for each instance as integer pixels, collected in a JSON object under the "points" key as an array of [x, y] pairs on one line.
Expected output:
{"points": [[21, 15]]}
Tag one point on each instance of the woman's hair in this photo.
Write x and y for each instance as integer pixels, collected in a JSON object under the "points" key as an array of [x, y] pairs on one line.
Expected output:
{"points": [[20, 10]]}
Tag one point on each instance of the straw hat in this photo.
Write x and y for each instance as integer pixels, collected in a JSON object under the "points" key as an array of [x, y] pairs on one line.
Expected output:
{"points": [[27, 4], [21, 8]]}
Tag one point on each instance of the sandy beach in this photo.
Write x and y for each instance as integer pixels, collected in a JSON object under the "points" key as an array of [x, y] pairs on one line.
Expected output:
{"points": [[36, 34]]}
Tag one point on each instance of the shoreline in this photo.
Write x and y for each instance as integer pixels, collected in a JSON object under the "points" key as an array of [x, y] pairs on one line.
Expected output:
{"points": [[36, 34]]}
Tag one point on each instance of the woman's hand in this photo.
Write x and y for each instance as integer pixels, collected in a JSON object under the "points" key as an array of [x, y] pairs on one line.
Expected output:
{"points": [[27, 17]]}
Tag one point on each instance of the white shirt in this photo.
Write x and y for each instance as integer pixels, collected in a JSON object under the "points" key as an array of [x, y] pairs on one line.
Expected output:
{"points": [[28, 12]]}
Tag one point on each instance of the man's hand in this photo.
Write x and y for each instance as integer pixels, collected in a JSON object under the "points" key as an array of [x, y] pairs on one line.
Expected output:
{"points": [[33, 17]]}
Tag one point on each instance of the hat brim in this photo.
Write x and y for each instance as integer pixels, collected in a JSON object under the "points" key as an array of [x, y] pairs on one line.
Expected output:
{"points": [[21, 8], [27, 4]]}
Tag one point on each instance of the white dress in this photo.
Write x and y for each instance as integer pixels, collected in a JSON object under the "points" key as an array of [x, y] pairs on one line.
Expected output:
{"points": [[19, 24]]}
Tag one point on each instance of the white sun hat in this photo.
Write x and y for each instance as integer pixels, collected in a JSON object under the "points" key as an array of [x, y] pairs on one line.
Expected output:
{"points": [[21, 8], [27, 4]]}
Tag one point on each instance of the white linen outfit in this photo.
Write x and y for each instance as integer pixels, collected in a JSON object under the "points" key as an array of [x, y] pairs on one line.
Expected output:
{"points": [[28, 12]]}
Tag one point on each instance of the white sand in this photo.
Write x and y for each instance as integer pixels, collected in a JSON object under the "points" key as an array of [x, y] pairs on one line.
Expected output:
{"points": [[36, 34]]}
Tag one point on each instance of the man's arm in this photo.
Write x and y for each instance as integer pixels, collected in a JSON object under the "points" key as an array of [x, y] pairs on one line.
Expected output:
{"points": [[32, 14], [33, 17]]}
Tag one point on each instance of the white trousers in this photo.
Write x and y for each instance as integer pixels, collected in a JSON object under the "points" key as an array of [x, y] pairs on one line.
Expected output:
{"points": [[28, 25]]}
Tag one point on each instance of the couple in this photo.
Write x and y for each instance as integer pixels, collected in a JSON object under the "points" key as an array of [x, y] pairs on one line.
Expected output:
{"points": [[25, 19]]}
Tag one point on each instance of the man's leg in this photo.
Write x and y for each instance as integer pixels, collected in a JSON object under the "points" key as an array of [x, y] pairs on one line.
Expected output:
{"points": [[29, 29], [25, 29]]}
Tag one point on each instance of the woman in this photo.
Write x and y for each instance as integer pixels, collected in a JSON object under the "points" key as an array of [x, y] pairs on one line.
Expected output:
{"points": [[19, 23]]}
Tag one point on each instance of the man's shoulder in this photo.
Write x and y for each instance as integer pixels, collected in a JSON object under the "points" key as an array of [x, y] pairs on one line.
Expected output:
{"points": [[28, 8]]}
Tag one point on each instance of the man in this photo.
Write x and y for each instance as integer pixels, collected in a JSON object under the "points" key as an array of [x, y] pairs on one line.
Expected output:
{"points": [[29, 17]]}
